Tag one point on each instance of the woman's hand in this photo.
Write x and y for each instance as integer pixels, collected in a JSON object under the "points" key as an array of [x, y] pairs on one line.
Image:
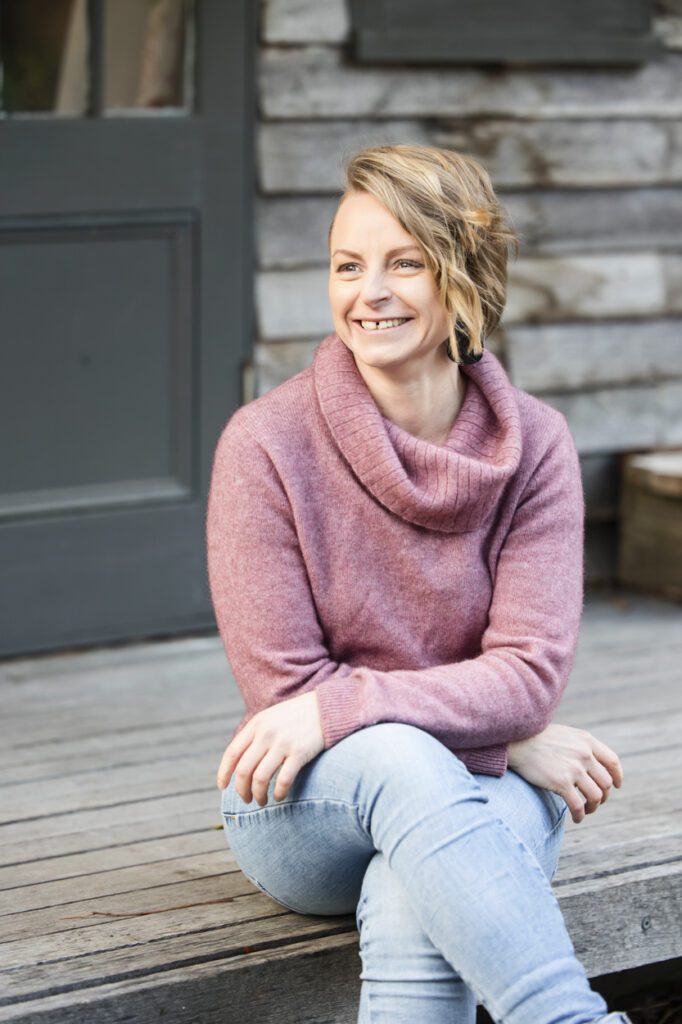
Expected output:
{"points": [[571, 762], [287, 734]]}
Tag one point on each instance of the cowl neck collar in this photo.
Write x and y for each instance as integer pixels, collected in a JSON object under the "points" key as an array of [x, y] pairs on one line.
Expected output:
{"points": [[450, 488]]}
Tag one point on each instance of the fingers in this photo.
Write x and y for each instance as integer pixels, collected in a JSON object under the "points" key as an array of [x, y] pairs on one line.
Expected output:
{"points": [[262, 774], [609, 758], [593, 786], [593, 793], [248, 762], [575, 802], [603, 779], [233, 752], [287, 773]]}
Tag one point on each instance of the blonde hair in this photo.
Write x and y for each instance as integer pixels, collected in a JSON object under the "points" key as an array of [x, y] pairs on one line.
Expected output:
{"points": [[445, 200]]}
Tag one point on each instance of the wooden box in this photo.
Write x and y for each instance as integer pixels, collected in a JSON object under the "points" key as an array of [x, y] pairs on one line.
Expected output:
{"points": [[650, 541]]}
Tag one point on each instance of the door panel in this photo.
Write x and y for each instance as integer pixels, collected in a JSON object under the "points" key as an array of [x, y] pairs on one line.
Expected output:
{"points": [[125, 288]]}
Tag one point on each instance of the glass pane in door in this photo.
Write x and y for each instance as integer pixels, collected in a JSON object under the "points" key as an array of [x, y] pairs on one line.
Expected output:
{"points": [[148, 56], [43, 57]]}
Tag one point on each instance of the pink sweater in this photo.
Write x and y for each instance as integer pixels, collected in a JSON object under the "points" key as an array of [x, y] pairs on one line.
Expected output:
{"points": [[404, 581]]}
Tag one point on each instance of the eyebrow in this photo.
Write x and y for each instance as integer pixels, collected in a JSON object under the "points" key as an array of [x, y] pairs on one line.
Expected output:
{"points": [[392, 252]]}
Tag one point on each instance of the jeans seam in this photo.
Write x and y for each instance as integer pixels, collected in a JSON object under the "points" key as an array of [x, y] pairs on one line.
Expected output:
{"points": [[239, 817], [291, 803]]}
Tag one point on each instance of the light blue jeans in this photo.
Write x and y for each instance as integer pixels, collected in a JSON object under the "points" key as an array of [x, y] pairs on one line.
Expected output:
{"points": [[448, 873]]}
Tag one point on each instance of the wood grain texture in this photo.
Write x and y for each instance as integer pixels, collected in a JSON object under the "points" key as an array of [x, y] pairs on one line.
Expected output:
{"points": [[291, 231], [309, 156], [573, 356], [320, 82]]}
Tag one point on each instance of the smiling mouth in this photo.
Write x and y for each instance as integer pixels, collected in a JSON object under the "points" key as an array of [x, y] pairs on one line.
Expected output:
{"points": [[388, 324]]}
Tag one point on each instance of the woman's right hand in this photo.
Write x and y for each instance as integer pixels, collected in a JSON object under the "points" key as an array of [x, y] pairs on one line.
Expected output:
{"points": [[571, 762]]}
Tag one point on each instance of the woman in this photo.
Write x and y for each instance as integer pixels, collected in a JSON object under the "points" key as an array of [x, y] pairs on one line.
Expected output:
{"points": [[395, 554]]}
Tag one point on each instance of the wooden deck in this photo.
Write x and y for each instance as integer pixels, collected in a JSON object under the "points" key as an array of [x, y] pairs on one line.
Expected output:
{"points": [[122, 902]]}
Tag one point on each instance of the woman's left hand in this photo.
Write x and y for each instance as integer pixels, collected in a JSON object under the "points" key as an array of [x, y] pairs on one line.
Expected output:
{"points": [[287, 734], [571, 762]]}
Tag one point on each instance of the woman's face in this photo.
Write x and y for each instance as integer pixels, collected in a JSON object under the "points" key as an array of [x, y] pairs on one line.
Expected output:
{"points": [[369, 280]]}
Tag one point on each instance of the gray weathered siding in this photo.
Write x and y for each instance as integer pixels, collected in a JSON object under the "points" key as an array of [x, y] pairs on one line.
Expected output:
{"points": [[589, 165]]}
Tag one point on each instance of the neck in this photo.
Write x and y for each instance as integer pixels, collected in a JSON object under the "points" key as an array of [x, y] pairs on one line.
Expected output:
{"points": [[426, 403]]}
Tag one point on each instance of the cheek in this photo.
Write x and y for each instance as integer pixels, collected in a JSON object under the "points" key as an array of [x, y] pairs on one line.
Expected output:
{"points": [[338, 299]]}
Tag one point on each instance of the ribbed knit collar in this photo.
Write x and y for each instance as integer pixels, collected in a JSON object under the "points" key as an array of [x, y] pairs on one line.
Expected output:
{"points": [[451, 488]]}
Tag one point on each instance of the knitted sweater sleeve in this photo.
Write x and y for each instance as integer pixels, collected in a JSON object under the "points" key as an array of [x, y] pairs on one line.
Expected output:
{"points": [[276, 646]]}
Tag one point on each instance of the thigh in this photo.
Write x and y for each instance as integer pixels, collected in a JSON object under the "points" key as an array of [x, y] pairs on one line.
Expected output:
{"points": [[308, 851], [536, 815]]}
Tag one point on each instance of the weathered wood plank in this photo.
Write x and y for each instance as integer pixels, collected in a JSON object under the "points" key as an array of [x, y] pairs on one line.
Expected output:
{"points": [[309, 156], [122, 717], [96, 789], [643, 908], [106, 883], [182, 819], [623, 419], [313, 159], [292, 230], [270, 928], [320, 978], [171, 809], [570, 357], [302, 21], [554, 288], [313, 82], [175, 654], [152, 912], [78, 865], [105, 753]]}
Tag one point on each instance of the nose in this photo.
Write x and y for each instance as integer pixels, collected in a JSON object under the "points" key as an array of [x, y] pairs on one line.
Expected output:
{"points": [[375, 288]]}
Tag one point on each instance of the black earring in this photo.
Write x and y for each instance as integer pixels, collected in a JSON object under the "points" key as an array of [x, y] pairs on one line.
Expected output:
{"points": [[462, 346]]}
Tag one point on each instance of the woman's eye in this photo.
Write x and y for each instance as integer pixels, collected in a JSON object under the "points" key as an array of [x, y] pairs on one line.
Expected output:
{"points": [[349, 266]]}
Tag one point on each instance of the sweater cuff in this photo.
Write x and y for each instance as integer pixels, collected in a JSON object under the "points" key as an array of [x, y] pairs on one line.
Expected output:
{"points": [[485, 760], [339, 704]]}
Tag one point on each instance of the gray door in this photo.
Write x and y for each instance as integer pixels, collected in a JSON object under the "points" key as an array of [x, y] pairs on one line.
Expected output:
{"points": [[125, 298]]}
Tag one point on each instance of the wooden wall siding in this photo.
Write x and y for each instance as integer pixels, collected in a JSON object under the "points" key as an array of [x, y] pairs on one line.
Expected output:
{"points": [[307, 156], [323, 82], [305, 21], [623, 419], [292, 230], [588, 163], [570, 357]]}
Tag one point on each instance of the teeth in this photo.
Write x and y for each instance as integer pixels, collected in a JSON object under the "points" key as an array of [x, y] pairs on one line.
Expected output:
{"points": [[370, 325]]}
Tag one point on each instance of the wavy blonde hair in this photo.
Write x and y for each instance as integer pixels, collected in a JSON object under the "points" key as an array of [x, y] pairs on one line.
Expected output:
{"points": [[445, 200]]}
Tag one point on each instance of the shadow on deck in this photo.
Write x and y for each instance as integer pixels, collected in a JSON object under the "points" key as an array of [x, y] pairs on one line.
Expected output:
{"points": [[122, 902]]}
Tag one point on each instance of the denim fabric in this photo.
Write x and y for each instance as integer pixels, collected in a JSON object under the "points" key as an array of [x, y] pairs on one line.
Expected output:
{"points": [[448, 873]]}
